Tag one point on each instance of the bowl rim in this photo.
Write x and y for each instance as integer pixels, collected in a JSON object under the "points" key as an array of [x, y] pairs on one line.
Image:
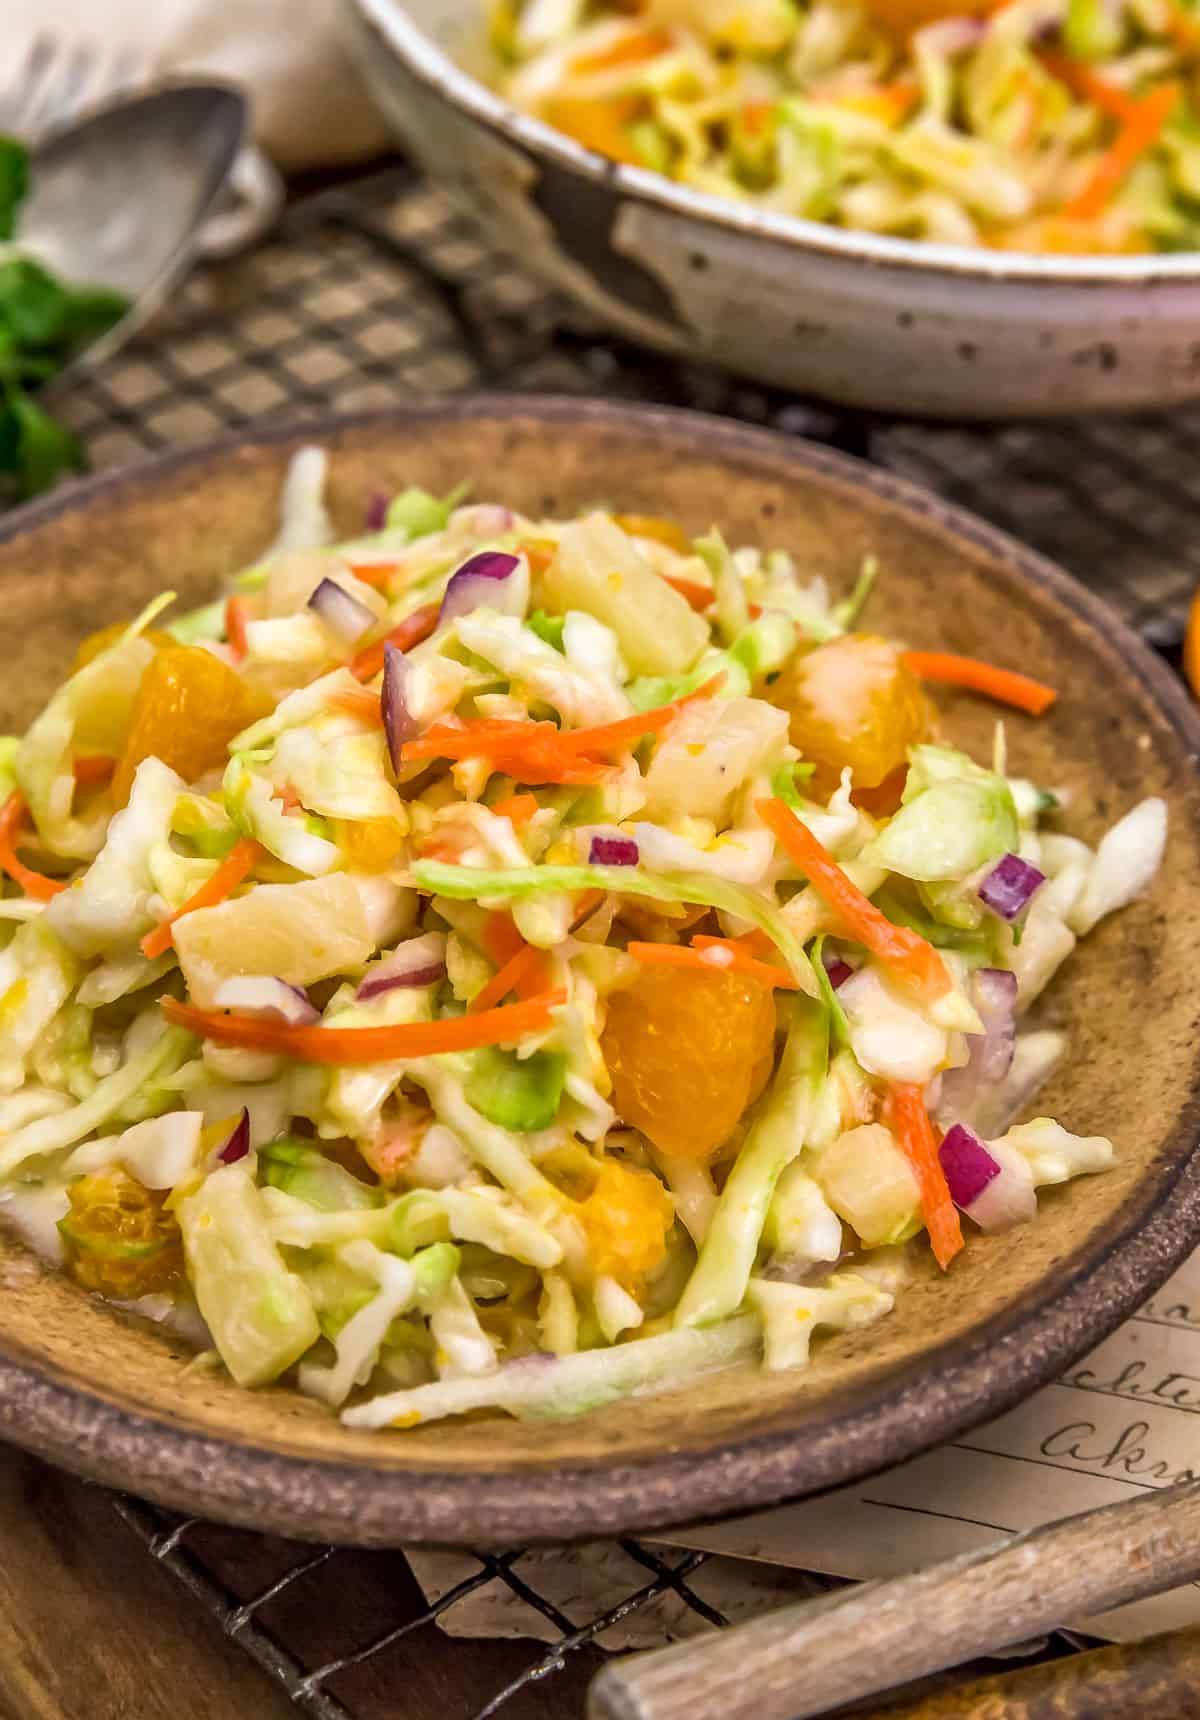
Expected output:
{"points": [[1018, 1349], [434, 68]]}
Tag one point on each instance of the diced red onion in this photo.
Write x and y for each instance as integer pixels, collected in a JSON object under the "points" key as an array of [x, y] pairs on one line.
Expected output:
{"points": [[838, 970], [1009, 885], [419, 961], [478, 581], [484, 519], [990, 1053], [259, 994], [341, 613], [967, 1165], [238, 1144], [399, 724], [989, 1181], [376, 515], [613, 851]]}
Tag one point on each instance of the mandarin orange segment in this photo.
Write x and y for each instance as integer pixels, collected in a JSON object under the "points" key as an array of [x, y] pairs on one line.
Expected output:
{"points": [[626, 1218], [853, 702], [189, 706], [688, 1052], [92, 646]]}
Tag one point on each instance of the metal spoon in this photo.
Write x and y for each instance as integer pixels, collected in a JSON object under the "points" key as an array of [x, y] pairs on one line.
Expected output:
{"points": [[120, 198]]}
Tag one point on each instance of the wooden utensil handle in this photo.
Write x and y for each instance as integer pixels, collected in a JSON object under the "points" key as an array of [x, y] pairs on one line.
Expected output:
{"points": [[806, 1659], [1159, 1676]]}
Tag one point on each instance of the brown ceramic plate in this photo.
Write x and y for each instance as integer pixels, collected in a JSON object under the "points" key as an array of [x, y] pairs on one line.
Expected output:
{"points": [[107, 1396]]}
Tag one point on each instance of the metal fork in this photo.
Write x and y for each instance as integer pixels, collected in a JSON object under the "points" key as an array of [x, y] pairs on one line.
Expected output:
{"points": [[54, 83]]}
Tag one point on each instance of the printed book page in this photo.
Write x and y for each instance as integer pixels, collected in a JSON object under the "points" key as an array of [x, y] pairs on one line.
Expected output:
{"points": [[1124, 1419]]}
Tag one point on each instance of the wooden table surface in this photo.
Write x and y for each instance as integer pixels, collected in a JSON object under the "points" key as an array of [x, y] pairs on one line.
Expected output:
{"points": [[92, 1629]]}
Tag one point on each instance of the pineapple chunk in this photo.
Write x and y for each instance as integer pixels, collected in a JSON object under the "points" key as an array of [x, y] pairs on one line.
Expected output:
{"points": [[869, 1182], [712, 748], [297, 932], [599, 569], [293, 577]]}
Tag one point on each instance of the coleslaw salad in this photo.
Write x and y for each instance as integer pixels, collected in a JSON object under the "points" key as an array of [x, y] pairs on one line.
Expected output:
{"points": [[510, 963]]}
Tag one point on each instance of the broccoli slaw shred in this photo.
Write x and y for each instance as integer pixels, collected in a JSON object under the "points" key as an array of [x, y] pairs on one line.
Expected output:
{"points": [[511, 963], [1039, 126]]}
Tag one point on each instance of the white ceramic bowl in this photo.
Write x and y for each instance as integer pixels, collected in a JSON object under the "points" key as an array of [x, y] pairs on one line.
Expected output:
{"points": [[882, 323]]}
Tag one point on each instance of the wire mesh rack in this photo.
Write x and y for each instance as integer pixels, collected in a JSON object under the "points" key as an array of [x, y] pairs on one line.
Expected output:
{"points": [[357, 1662], [365, 295]]}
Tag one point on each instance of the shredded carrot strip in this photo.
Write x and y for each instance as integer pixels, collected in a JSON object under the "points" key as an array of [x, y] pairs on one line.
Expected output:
{"points": [[524, 973], [540, 752], [716, 955], [287, 797], [909, 958], [517, 808], [699, 596], [483, 737], [501, 939], [377, 574], [93, 769], [1003, 685], [917, 1138], [35, 884], [367, 1044], [233, 870], [415, 627], [519, 965], [1140, 131], [1087, 84], [753, 943], [528, 752], [235, 626], [358, 702], [629, 730], [744, 953]]}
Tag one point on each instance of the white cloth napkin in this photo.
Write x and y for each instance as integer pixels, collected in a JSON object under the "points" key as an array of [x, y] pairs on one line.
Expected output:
{"points": [[310, 107]]}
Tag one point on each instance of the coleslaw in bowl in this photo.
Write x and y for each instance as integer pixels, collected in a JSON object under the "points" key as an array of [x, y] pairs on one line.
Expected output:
{"points": [[1039, 126], [515, 962]]}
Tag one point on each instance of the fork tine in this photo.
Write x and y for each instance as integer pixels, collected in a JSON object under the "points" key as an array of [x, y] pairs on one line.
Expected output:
{"points": [[19, 99], [64, 88]]}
